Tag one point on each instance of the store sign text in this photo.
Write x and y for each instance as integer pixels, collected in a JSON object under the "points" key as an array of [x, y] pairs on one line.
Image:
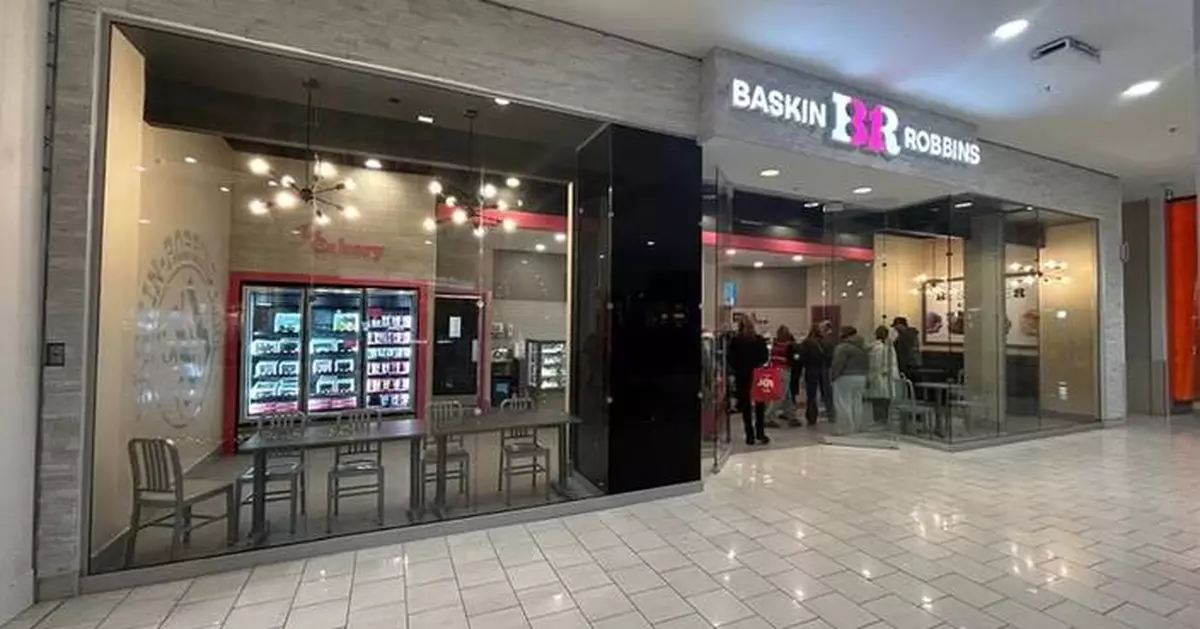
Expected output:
{"points": [[320, 244], [871, 127]]}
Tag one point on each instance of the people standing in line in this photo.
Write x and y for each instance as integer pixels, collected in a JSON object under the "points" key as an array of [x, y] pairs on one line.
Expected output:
{"points": [[747, 351], [813, 357], [908, 348], [781, 352], [882, 374], [849, 372]]}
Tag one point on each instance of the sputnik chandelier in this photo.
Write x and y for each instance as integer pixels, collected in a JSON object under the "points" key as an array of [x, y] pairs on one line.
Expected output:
{"points": [[479, 209], [319, 184]]}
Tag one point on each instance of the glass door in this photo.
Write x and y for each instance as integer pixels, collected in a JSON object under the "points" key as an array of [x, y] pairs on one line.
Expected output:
{"points": [[721, 295], [334, 354], [271, 356], [390, 360]]}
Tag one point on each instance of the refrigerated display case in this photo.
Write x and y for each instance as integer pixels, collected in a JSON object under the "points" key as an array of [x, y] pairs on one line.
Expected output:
{"points": [[274, 327], [391, 332], [325, 349], [547, 365], [333, 348]]}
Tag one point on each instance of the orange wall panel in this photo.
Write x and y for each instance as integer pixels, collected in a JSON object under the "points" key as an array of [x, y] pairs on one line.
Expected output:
{"points": [[1181, 298]]}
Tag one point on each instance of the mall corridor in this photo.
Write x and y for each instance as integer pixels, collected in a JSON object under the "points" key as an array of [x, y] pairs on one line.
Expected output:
{"points": [[1093, 530]]}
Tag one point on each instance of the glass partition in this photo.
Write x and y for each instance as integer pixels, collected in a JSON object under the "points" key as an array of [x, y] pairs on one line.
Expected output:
{"points": [[329, 302]]}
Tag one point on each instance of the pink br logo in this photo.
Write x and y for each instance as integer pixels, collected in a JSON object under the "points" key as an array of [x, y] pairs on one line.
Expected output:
{"points": [[872, 128]]}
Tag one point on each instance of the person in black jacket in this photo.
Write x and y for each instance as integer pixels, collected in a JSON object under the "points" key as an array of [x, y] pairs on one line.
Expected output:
{"points": [[746, 352], [815, 356]]}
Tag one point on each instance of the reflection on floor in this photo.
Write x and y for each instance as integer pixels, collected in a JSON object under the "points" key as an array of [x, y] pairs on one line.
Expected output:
{"points": [[1090, 530], [355, 514]]}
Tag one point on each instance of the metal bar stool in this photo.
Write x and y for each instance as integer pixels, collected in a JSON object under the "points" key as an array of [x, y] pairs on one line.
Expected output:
{"points": [[458, 460], [283, 466], [158, 483], [520, 452], [359, 459]]}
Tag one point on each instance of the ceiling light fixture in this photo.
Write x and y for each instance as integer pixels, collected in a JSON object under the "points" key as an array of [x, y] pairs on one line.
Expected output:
{"points": [[501, 101], [260, 166], [797, 258], [349, 184], [373, 164], [1143, 88], [189, 159], [459, 216], [963, 204], [487, 191], [429, 224], [758, 264], [769, 172], [512, 182], [350, 212], [425, 119], [1009, 30], [501, 205], [286, 199], [731, 252], [812, 204], [560, 237], [539, 247], [509, 225], [435, 187], [863, 190], [324, 169], [224, 188], [257, 207], [452, 200]]}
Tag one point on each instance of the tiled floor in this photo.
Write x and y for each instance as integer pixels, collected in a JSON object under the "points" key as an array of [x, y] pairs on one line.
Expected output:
{"points": [[1094, 530]]}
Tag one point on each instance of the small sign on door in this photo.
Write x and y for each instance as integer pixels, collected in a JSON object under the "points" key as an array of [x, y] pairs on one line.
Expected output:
{"points": [[455, 327]]}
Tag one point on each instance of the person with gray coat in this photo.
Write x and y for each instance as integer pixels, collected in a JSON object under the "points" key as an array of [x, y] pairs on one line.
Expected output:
{"points": [[851, 363]]}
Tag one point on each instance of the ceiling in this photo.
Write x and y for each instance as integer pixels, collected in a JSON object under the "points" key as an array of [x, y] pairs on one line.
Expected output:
{"points": [[814, 178], [940, 54]]}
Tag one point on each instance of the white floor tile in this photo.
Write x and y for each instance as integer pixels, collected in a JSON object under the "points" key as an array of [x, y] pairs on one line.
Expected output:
{"points": [[780, 609], [602, 602], [331, 615], [391, 616], [719, 607], [661, 604], [545, 600], [511, 618], [488, 598], [267, 615]]}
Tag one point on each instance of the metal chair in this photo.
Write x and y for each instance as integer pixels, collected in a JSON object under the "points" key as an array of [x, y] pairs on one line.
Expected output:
{"points": [[520, 452], [283, 466], [458, 460], [907, 405], [358, 459], [158, 483]]}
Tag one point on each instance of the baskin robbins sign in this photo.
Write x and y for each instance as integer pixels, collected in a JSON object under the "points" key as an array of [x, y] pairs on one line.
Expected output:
{"points": [[750, 100], [852, 121]]}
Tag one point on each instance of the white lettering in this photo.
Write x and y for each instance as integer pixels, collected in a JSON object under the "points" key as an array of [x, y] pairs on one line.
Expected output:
{"points": [[792, 109], [739, 94], [922, 141], [775, 98], [910, 139], [841, 118], [758, 100], [974, 157], [816, 114]]}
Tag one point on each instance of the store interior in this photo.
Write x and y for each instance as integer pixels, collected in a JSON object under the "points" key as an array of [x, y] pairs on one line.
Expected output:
{"points": [[1003, 295], [283, 238]]}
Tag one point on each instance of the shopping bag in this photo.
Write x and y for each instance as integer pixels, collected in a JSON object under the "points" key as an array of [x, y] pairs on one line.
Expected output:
{"points": [[766, 384]]}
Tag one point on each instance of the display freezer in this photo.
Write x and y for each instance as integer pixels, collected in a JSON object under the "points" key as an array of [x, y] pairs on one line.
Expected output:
{"points": [[325, 349], [547, 365]]}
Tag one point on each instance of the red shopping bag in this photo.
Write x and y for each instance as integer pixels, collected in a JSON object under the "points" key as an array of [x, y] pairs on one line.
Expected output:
{"points": [[766, 384]]}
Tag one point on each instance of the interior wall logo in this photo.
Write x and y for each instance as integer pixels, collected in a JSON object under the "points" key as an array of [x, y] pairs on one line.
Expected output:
{"points": [[179, 330], [874, 128]]}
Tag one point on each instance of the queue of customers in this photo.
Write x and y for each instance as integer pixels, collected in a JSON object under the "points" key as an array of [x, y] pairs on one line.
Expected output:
{"points": [[839, 371]]}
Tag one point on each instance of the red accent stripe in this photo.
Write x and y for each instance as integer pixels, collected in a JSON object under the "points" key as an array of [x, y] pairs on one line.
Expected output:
{"points": [[787, 246], [523, 219]]}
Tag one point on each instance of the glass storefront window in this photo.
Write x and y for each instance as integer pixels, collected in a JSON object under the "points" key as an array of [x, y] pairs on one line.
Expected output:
{"points": [[353, 284]]}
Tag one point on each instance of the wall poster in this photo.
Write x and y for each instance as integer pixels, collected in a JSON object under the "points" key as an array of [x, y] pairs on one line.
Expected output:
{"points": [[943, 311]]}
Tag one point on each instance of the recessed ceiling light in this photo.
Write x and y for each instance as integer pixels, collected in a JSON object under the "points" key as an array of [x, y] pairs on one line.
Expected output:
{"points": [[487, 191], [769, 172], [350, 212], [1137, 90], [189, 159], [501, 204], [435, 187], [257, 206], [1009, 30], [512, 182], [963, 204], [429, 242], [373, 164], [509, 225], [650, 243], [812, 204], [459, 216], [731, 252], [560, 237], [224, 188], [758, 264], [144, 221], [503, 102], [797, 258], [539, 247], [862, 190], [425, 119]]}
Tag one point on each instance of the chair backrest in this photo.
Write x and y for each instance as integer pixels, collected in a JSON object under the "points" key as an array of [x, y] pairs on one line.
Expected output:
{"points": [[444, 412], [357, 421], [518, 404], [283, 425], [155, 467], [904, 389]]}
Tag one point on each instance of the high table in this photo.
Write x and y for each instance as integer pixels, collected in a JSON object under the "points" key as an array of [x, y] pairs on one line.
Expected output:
{"points": [[498, 421], [330, 436], [942, 392]]}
